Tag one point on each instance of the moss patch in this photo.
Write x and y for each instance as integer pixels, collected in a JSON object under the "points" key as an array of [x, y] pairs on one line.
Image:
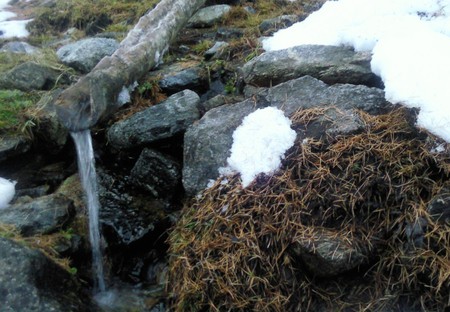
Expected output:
{"points": [[232, 248]]}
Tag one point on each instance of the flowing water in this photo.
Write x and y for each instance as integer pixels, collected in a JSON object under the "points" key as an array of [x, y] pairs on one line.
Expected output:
{"points": [[86, 168]]}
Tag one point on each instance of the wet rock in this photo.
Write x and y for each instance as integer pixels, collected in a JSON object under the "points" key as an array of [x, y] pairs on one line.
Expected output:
{"points": [[158, 122], [327, 254], [269, 26], [209, 16], [126, 217], [43, 215], [207, 142], [29, 76], [181, 76], [18, 47], [33, 192], [331, 64], [83, 55], [12, 146], [29, 281], [156, 173]]}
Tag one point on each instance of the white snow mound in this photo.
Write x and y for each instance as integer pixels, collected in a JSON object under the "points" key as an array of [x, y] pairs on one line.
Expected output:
{"points": [[259, 143]]}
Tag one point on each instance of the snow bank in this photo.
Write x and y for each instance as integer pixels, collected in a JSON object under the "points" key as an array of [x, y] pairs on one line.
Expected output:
{"points": [[410, 42], [7, 191], [259, 143]]}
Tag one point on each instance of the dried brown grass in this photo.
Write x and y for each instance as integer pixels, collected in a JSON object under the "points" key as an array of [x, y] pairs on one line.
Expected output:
{"points": [[230, 250]]}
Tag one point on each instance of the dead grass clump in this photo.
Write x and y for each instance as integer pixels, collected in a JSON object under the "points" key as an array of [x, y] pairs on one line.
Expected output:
{"points": [[232, 248]]}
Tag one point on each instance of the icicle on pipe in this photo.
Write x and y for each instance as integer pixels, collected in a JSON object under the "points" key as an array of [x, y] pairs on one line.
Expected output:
{"points": [[94, 96]]}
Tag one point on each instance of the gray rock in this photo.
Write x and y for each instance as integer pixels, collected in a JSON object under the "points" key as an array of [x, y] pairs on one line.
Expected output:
{"points": [[249, 10], [439, 207], [207, 142], [231, 2], [156, 173], [227, 33], [220, 100], [180, 76], [269, 26], [44, 215], [29, 76], [331, 64], [83, 55], [18, 47], [50, 131], [326, 254], [209, 16], [158, 122], [216, 50], [29, 281], [128, 217], [12, 146], [415, 233]]}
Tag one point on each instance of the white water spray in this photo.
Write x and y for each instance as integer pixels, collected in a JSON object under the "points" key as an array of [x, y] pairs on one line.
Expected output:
{"points": [[86, 168]]}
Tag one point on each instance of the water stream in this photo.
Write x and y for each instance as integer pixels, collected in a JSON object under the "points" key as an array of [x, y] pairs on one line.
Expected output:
{"points": [[86, 168]]}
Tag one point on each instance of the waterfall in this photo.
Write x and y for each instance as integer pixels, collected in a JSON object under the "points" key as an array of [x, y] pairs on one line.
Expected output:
{"points": [[86, 168]]}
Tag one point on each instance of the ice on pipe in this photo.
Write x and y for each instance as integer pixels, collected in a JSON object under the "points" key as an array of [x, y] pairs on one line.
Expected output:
{"points": [[7, 191]]}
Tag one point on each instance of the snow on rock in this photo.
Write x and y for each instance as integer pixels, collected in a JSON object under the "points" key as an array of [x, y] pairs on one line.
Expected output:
{"points": [[410, 43], [7, 191], [259, 143]]}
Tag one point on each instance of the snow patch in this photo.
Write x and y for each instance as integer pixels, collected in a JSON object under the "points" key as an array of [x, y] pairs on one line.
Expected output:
{"points": [[410, 43], [7, 192], [259, 144]]}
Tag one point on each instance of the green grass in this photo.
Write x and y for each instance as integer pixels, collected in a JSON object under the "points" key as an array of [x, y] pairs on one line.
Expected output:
{"points": [[13, 107]]}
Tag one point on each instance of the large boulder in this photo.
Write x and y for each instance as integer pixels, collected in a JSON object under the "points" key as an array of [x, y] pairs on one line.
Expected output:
{"points": [[158, 122], [83, 55], [29, 281], [207, 142], [331, 64], [44, 215]]}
